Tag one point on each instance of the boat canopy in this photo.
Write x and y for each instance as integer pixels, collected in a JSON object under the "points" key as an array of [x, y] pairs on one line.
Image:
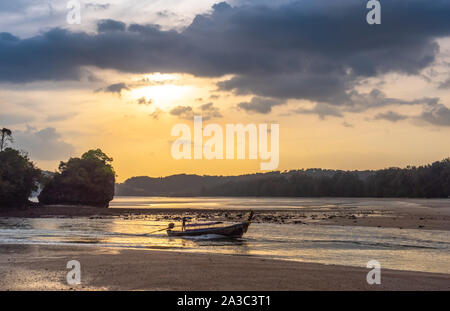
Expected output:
{"points": [[203, 224]]}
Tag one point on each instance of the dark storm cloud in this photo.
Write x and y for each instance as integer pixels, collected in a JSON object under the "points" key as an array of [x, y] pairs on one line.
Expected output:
{"points": [[311, 86], [313, 50], [7, 37], [320, 37], [110, 25]]}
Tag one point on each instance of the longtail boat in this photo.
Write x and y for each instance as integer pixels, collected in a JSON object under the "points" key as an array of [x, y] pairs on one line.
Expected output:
{"points": [[196, 229]]}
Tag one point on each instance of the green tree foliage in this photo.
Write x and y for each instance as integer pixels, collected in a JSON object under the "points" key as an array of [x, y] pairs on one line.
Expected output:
{"points": [[88, 180], [18, 178]]}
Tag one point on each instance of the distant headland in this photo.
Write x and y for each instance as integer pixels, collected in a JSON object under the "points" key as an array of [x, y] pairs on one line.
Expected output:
{"points": [[427, 181]]}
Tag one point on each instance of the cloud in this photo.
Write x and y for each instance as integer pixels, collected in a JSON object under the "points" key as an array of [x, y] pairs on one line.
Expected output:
{"points": [[357, 102], [115, 88], [60, 116], [437, 114], [144, 101], [260, 104], [97, 6], [445, 84], [354, 101], [319, 38], [345, 124], [165, 13], [45, 144], [208, 112], [390, 116], [183, 112], [7, 119], [309, 86], [156, 113], [108, 25], [322, 110], [18, 5], [309, 50]]}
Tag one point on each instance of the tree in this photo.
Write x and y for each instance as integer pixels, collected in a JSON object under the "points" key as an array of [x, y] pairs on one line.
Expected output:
{"points": [[88, 180], [18, 178], [6, 136], [97, 154]]}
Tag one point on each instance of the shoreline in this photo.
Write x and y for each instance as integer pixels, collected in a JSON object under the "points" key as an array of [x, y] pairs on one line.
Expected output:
{"points": [[39, 267], [379, 216]]}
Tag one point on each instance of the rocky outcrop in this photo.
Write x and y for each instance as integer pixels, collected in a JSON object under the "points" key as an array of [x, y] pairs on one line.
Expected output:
{"points": [[58, 191], [88, 180]]}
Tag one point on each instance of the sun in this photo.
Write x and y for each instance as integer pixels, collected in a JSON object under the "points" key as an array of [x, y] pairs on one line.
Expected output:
{"points": [[164, 90]]}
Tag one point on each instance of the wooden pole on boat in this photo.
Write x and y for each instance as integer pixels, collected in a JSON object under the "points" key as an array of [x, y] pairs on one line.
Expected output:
{"points": [[250, 217], [171, 226]]}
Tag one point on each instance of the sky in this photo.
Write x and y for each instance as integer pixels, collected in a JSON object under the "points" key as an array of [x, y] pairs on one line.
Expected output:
{"points": [[346, 94]]}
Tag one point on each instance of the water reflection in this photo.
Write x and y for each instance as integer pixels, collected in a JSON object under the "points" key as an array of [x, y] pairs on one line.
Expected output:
{"points": [[419, 250], [246, 203]]}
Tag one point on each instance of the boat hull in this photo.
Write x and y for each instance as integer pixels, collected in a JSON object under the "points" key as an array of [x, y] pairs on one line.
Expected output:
{"points": [[232, 231]]}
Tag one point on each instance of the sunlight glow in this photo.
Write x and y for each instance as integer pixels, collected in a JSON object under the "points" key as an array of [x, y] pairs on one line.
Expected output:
{"points": [[162, 96], [160, 77]]}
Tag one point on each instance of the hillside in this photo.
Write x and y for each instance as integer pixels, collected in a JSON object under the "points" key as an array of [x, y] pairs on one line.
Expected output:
{"points": [[428, 181]]}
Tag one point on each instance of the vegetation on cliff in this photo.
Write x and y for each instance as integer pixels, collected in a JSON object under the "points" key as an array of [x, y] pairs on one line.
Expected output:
{"points": [[428, 181], [88, 180], [18, 178]]}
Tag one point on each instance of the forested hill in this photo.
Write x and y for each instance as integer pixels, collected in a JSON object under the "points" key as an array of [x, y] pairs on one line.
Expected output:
{"points": [[429, 181]]}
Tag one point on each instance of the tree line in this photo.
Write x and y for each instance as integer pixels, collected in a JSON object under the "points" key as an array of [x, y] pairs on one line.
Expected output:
{"points": [[428, 181], [88, 180]]}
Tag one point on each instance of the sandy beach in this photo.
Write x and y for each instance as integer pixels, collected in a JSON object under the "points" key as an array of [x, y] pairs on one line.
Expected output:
{"points": [[43, 267], [38, 267]]}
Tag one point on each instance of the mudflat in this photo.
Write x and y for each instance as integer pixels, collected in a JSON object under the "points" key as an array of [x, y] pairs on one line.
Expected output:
{"points": [[383, 213]]}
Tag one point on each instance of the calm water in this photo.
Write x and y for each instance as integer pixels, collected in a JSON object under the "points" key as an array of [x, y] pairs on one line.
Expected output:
{"points": [[394, 248], [246, 203]]}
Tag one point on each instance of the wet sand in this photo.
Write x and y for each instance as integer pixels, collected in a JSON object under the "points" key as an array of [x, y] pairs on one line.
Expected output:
{"points": [[42, 267], [383, 216]]}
